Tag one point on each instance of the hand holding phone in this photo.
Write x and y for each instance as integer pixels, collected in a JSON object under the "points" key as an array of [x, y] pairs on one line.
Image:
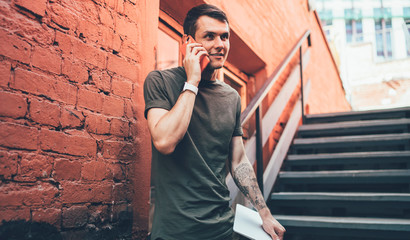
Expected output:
{"points": [[203, 61]]}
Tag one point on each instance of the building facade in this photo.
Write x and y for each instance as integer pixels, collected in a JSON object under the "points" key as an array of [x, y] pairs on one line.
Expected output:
{"points": [[371, 40]]}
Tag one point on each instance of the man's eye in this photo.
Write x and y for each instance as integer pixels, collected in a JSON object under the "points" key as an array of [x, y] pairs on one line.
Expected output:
{"points": [[224, 37], [209, 36]]}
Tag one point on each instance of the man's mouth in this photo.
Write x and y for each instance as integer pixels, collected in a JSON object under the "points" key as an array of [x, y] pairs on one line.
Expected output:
{"points": [[216, 54]]}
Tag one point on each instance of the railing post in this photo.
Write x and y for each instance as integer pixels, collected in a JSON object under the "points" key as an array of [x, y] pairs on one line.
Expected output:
{"points": [[259, 148], [301, 83]]}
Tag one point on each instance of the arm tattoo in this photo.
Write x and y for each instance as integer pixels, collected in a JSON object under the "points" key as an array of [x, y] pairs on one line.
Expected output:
{"points": [[245, 179]]}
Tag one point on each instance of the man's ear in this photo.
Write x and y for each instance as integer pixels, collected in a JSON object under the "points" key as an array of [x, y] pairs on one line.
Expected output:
{"points": [[185, 38]]}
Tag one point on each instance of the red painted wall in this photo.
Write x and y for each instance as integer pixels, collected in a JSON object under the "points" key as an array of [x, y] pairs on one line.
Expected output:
{"points": [[74, 145]]}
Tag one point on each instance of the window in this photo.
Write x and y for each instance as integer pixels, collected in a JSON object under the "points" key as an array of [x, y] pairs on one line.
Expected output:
{"points": [[326, 17], [354, 28], [406, 28], [169, 41], [383, 27]]}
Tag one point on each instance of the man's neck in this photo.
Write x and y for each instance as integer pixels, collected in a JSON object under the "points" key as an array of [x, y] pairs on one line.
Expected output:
{"points": [[209, 75]]}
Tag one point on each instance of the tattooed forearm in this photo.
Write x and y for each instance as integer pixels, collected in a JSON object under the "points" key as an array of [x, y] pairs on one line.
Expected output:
{"points": [[245, 179]]}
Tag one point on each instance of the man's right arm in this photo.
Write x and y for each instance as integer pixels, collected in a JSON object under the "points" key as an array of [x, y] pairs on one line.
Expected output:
{"points": [[167, 128]]}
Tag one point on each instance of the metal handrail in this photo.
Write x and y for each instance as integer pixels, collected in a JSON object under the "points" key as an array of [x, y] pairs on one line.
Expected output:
{"points": [[254, 105]]}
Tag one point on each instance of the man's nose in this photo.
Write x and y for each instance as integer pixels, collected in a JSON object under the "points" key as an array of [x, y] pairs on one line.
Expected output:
{"points": [[218, 42]]}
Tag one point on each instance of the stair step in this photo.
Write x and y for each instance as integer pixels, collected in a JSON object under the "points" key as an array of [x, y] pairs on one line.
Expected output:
{"points": [[350, 176], [349, 157], [359, 115], [344, 196], [386, 224], [352, 141], [354, 127]]}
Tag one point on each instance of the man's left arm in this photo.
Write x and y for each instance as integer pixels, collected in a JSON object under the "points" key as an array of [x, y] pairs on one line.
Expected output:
{"points": [[244, 177]]}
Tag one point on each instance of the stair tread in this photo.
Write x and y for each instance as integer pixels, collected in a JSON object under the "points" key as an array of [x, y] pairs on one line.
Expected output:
{"points": [[357, 113], [351, 196], [354, 138], [392, 224], [346, 173], [353, 124], [354, 155]]}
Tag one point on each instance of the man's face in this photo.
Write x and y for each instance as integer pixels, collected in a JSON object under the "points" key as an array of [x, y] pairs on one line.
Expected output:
{"points": [[214, 36]]}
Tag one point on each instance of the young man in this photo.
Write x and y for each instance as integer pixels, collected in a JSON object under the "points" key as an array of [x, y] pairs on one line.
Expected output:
{"points": [[194, 121]]}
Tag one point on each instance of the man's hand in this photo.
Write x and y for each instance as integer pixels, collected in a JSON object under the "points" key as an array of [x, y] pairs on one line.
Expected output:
{"points": [[271, 226], [194, 52]]}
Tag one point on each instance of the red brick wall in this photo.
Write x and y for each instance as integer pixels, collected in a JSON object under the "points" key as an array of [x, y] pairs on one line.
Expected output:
{"points": [[74, 146]]}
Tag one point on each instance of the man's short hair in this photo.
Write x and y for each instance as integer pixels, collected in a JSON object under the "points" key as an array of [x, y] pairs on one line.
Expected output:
{"points": [[202, 10]]}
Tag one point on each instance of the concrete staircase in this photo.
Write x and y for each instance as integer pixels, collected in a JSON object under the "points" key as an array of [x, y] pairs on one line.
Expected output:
{"points": [[347, 176]]}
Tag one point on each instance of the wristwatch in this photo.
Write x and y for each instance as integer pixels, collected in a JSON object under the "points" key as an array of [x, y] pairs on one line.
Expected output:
{"points": [[190, 87]]}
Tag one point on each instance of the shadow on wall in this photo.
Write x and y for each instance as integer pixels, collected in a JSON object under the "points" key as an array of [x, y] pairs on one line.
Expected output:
{"points": [[24, 230]]}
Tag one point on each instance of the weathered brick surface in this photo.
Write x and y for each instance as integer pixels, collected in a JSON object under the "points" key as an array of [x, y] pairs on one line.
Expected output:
{"points": [[18, 136], [75, 216], [64, 169], [68, 72], [44, 112], [73, 144], [12, 105], [37, 7]]}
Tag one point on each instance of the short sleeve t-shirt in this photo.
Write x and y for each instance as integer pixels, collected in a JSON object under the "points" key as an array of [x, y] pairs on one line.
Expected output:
{"points": [[191, 196]]}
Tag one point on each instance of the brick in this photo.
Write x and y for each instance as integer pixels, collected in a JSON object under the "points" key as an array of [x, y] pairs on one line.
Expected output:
{"points": [[130, 110], [8, 164], [89, 54], [18, 195], [18, 136], [71, 118], [45, 85], [101, 79], [118, 171], [12, 105], [106, 40], [75, 216], [63, 16], [33, 167], [13, 47], [37, 7], [105, 17], [44, 112], [113, 106], [5, 73], [119, 127], [94, 171], [118, 150], [90, 100], [65, 169], [15, 214], [64, 42], [97, 123], [131, 11], [75, 70], [126, 28], [122, 67], [86, 193], [89, 31], [99, 213], [130, 50], [72, 144], [121, 193], [46, 59], [122, 87], [47, 215], [117, 42]]}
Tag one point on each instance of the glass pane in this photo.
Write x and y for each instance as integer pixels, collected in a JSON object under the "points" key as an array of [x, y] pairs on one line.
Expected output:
{"points": [[167, 51]]}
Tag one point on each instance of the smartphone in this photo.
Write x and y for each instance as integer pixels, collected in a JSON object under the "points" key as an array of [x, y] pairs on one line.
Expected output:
{"points": [[204, 59]]}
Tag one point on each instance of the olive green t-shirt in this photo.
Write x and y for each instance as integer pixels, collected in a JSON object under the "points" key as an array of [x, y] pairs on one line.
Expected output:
{"points": [[191, 196]]}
